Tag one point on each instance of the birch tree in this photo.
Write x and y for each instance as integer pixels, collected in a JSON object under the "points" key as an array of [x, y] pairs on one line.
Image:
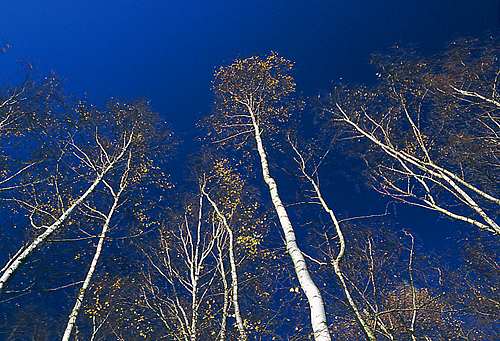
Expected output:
{"points": [[251, 97], [131, 171], [181, 273], [116, 194], [24, 115], [225, 194], [225, 289], [80, 167], [431, 128], [57, 221], [401, 294]]}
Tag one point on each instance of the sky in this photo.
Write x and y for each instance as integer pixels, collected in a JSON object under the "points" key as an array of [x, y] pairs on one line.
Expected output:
{"points": [[166, 51]]}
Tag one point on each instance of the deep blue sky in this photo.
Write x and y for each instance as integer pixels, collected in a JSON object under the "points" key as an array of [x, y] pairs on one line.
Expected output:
{"points": [[167, 50]]}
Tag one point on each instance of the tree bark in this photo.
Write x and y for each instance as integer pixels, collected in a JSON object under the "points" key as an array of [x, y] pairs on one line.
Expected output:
{"points": [[81, 294], [27, 251], [225, 305], [367, 330], [442, 176], [21, 256], [316, 304], [234, 271]]}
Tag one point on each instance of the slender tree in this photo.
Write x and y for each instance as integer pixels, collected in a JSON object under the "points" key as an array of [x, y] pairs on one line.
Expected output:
{"points": [[181, 272], [99, 142], [230, 187], [312, 177], [251, 97], [116, 193], [58, 221], [129, 175]]}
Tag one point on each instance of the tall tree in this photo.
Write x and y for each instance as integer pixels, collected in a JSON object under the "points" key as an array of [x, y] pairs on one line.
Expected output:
{"points": [[116, 193], [128, 175], [225, 193], [57, 216], [251, 97]]}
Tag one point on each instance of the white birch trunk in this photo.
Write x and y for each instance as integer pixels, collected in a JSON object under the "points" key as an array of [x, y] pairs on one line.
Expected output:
{"points": [[27, 251], [225, 305], [194, 309], [81, 294], [21, 256], [196, 264], [367, 330], [412, 287], [234, 271], [316, 304], [234, 288], [370, 335]]}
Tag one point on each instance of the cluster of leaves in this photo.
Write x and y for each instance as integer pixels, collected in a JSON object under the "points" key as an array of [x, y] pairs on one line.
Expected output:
{"points": [[248, 92], [115, 308]]}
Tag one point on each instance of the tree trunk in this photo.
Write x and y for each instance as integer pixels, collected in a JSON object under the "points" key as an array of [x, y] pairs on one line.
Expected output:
{"points": [[27, 251], [225, 305], [234, 287], [369, 334], [367, 330], [234, 271], [316, 304], [21, 256], [81, 294]]}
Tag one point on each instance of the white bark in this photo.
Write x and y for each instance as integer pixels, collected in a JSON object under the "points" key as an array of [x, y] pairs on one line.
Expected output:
{"points": [[234, 271], [194, 273], [424, 171], [102, 237], [182, 263], [234, 288], [15, 263], [21, 256], [316, 304], [225, 286], [413, 290], [336, 262], [81, 294]]}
